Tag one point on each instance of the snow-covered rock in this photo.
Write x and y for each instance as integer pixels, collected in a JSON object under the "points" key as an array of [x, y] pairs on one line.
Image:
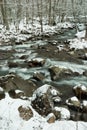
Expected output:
{"points": [[64, 113], [51, 118], [25, 113], [80, 90], [73, 102], [42, 99], [84, 105]]}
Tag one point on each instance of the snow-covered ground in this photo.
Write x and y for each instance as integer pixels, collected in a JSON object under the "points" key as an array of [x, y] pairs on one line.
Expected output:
{"points": [[10, 119]]}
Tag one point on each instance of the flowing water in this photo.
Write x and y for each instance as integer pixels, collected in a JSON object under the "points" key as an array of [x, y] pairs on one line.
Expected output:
{"points": [[26, 73]]}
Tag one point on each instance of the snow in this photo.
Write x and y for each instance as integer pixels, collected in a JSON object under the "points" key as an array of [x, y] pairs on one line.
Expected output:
{"points": [[82, 87], [80, 34], [84, 103], [74, 98], [65, 25], [1, 89], [38, 59], [78, 44], [54, 92], [66, 125], [10, 119], [65, 113], [41, 91]]}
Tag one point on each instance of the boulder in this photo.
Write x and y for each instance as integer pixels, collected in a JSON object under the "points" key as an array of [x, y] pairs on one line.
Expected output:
{"points": [[12, 64], [84, 106], [61, 113], [73, 103], [17, 94], [51, 118], [15, 82], [36, 62], [57, 72], [25, 113], [38, 76], [80, 91], [42, 100]]}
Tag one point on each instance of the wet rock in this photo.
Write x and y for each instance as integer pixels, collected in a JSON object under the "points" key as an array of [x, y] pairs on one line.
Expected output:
{"points": [[17, 94], [24, 32], [83, 57], [15, 82], [23, 57], [37, 62], [51, 118], [25, 113], [18, 42], [42, 100], [38, 76], [73, 103], [12, 64], [80, 91], [2, 94], [57, 72]]}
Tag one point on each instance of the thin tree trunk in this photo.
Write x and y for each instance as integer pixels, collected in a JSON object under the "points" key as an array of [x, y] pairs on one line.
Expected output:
{"points": [[50, 12], [86, 33], [27, 11], [41, 22], [32, 11], [54, 5], [4, 13]]}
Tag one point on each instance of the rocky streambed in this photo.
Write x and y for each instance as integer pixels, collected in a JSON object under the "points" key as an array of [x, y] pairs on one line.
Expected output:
{"points": [[28, 65]]}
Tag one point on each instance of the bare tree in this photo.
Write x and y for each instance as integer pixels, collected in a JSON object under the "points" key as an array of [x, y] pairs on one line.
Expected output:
{"points": [[27, 11], [50, 9], [3, 5], [32, 11], [86, 33], [40, 10]]}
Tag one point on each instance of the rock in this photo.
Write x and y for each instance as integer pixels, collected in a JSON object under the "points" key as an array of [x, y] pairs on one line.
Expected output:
{"points": [[61, 113], [25, 113], [57, 72], [57, 99], [12, 64], [80, 91], [51, 118], [36, 62], [17, 94], [57, 114], [38, 76], [2, 94], [42, 100], [23, 57], [84, 106], [73, 103], [83, 57], [15, 82]]}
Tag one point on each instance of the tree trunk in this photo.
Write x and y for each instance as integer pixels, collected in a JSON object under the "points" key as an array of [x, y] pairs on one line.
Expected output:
{"points": [[86, 34], [39, 8], [50, 12], [4, 13]]}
